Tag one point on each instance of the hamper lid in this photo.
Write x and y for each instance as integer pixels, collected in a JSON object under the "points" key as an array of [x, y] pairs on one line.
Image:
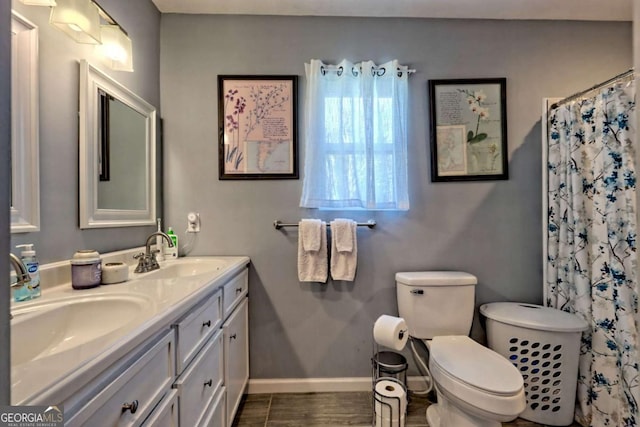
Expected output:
{"points": [[533, 317], [436, 278]]}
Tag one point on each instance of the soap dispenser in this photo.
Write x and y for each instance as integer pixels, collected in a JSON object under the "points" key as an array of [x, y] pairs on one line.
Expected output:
{"points": [[28, 256], [171, 253]]}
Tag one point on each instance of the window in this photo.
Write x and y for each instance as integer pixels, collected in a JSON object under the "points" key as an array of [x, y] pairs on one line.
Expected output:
{"points": [[356, 136]]}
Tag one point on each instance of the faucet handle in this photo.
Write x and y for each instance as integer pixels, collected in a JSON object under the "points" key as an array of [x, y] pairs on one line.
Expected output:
{"points": [[142, 263]]}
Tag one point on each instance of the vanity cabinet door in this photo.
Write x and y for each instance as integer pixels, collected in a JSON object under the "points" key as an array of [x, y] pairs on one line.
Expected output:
{"points": [[166, 414], [234, 291], [236, 357], [216, 415], [196, 328], [199, 383]]}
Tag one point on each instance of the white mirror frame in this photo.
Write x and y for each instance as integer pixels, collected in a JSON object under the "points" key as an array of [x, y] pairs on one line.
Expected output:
{"points": [[91, 80], [25, 175]]}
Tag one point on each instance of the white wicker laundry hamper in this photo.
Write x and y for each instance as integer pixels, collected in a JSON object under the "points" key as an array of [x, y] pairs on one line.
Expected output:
{"points": [[544, 344]]}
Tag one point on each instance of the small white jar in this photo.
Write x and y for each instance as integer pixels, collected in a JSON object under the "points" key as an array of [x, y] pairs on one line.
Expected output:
{"points": [[114, 272], [86, 269]]}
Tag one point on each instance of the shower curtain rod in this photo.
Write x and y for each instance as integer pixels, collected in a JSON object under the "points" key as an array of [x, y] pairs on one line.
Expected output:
{"points": [[598, 86]]}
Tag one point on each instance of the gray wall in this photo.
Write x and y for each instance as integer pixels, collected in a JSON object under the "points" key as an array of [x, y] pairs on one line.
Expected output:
{"points": [[491, 229], [5, 175], [59, 236]]}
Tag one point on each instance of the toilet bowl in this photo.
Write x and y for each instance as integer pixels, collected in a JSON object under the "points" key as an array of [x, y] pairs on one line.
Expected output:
{"points": [[475, 385]]}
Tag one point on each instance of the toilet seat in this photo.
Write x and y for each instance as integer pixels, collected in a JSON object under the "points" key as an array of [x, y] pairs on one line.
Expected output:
{"points": [[477, 376]]}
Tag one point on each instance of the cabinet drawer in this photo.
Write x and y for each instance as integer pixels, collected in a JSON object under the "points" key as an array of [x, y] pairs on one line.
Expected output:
{"points": [[196, 328], [199, 383], [215, 417], [141, 386], [166, 414], [234, 291]]}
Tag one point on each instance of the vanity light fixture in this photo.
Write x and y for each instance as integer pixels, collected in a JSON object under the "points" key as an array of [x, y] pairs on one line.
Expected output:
{"points": [[116, 47], [39, 2], [87, 22], [79, 19]]}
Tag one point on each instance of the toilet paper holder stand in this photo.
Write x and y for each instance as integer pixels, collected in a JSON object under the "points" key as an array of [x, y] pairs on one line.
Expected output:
{"points": [[388, 366]]}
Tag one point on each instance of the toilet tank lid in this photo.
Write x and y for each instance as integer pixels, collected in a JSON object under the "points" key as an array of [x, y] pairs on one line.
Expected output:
{"points": [[533, 316], [436, 278]]}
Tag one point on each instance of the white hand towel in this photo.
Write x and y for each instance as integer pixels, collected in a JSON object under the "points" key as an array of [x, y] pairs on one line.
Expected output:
{"points": [[312, 265], [310, 232], [344, 264], [343, 232]]}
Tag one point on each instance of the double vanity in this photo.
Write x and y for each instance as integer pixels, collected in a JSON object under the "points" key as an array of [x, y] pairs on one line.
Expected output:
{"points": [[165, 348]]}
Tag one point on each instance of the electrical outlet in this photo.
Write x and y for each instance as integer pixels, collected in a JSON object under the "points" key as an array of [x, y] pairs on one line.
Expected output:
{"points": [[193, 222]]}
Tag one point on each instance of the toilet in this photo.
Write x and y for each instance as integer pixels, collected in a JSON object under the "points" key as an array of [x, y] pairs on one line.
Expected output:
{"points": [[475, 386]]}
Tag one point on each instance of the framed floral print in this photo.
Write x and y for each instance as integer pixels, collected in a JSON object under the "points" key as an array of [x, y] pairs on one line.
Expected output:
{"points": [[257, 127], [468, 129]]}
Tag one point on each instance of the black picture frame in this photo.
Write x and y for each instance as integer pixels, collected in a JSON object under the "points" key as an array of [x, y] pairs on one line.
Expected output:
{"points": [[468, 119], [257, 127]]}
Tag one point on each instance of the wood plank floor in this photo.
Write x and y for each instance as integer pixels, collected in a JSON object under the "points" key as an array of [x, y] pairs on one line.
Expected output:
{"points": [[326, 410]]}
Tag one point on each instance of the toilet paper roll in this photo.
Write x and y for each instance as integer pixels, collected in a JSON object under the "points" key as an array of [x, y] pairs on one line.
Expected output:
{"points": [[390, 402], [384, 422], [391, 332]]}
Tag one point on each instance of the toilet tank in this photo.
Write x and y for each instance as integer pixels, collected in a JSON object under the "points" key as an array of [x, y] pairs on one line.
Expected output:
{"points": [[436, 303]]}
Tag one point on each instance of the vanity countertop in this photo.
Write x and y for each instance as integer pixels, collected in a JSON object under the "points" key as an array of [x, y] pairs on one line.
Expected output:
{"points": [[122, 315]]}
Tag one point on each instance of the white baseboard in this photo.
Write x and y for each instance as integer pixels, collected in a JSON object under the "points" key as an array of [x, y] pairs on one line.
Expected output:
{"points": [[319, 385]]}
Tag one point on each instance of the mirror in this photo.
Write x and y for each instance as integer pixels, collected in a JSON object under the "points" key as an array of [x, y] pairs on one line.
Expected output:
{"points": [[25, 181], [117, 153]]}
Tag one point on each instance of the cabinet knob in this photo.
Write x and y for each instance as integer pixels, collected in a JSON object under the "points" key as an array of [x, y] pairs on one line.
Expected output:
{"points": [[233, 337], [207, 324], [133, 407], [209, 383]]}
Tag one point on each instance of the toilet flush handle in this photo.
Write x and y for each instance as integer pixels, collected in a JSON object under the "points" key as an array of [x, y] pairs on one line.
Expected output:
{"points": [[417, 291]]}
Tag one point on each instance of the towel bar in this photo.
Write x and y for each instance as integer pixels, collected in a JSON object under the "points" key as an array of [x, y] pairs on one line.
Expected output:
{"points": [[277, 224]]}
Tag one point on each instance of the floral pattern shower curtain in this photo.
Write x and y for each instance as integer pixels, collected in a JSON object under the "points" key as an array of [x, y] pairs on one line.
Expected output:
{"points": [[592, 259]]}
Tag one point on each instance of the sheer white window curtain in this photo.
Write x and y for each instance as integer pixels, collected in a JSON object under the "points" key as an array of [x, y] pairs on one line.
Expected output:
{"points": [[355, 136]]}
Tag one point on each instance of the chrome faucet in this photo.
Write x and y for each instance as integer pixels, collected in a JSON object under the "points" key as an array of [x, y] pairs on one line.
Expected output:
{"points": [[147, 261], [21, 271]]}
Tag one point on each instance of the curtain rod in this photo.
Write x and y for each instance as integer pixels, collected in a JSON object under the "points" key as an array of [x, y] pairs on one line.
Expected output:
{"points": [[620, 76], [379, 71]]}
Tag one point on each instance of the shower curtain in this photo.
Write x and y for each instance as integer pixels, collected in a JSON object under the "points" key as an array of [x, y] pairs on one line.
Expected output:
{"points": [[591, 256]]}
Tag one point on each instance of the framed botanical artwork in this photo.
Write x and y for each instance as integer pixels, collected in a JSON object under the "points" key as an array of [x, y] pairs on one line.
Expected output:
{"points": [[257, 121], [468, 129]]}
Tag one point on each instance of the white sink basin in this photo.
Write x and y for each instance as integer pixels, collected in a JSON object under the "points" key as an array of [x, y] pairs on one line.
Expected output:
{"points": [[40, 330], [186, 267]]}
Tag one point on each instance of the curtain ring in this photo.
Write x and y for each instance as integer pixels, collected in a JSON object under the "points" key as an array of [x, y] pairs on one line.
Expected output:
{"points": [[354, 71], [323, 71], [340, 71], [379, 72]]}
